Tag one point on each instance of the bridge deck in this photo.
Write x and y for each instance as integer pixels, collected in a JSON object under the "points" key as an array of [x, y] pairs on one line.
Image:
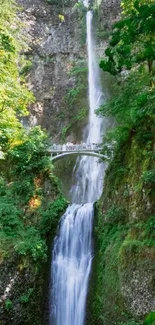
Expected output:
{"points": [[61, 151], [75, 148]]}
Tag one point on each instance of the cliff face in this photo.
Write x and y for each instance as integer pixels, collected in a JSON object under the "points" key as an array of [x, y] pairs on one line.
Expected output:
{"points": [[54, 35], [58, 75], [122, 287], [109, 12]]}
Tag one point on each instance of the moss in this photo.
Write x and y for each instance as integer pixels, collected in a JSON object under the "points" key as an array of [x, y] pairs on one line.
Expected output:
{"points": [[64, 171], [105, 301], [124, 260], [75, 102]]}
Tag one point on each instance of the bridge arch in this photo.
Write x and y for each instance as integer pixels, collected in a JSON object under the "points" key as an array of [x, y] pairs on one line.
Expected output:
{"points": [[75, 153]]}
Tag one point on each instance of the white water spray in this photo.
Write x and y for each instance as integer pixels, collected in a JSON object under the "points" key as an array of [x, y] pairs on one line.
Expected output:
{"points": [[72, 253]]}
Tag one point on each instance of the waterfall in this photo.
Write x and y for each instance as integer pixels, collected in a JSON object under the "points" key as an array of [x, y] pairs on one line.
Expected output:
{"points": [[72, 257], [89, 172], [72, 253]]}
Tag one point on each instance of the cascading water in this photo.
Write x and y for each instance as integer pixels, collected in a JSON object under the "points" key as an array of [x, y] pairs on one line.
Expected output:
{"points": [[72, 257], [72, 253], [89, 173]]}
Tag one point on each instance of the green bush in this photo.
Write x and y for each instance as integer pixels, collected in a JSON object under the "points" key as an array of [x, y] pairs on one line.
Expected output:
{"points": [[10, 221], [131, 322], [115, 215], [8, 305], [146, 231], [51, 214], [21, 226], [24, 299], [150, 318], [31, 244], [148, 177]]}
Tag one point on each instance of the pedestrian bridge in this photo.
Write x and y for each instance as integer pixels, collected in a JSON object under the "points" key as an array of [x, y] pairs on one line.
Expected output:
{"points": [[58, 152]]}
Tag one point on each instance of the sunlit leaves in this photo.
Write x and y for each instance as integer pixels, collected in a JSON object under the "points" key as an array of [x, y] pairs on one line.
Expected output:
{"points": [[133, 38], [132, 106], [14, 95]]}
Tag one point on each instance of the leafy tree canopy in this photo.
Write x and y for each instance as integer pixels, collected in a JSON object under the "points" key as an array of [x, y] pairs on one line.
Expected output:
{"points": [[132, 39], [128, 5], [14, 95], [131, 47]]}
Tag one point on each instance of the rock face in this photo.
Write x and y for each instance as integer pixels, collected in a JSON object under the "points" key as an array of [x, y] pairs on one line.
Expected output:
{"points": [[110, 12], [137, 287], [56, 35], [58, 75], [55, 46], [20, 293]]}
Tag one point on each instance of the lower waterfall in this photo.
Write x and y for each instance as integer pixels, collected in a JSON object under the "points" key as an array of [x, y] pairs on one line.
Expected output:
{"points": [[72, 252], [72, 256]]}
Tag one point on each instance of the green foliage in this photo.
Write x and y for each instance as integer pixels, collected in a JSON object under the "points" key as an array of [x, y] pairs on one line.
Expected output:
{"points": [[132, 39], [14, 95], [133, 100], [20, 201], [26, 67], [30, 156], [65, 130], [102, 35], [145, 232], [52, 213], [73, 93], [121, 236], [150, 318], [8, 305], [132, 107], [25, 173], [30, 244], [24, 299], [129, 5], [9, 217], [148, 177], [117, 245], [131, 248], [115, 215], [125, 233], [131, 322], [105, 296], [26, 164]]}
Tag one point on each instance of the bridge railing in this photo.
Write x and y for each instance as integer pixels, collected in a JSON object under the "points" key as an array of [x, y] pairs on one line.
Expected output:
{"points": [[75, 147]]}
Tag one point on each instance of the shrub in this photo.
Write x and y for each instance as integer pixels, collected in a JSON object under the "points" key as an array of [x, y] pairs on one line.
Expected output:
{"points": [[8, 304]]}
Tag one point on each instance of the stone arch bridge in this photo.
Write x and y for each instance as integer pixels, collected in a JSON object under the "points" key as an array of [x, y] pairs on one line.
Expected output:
{"points": [[58, 152]]}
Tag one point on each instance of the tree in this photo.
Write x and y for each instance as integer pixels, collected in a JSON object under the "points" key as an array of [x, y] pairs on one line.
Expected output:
{"points": [[128, 5], [14, 95], [132, 47], [133, 38]]}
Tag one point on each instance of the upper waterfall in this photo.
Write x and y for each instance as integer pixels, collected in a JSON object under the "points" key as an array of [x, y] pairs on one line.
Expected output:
{"points": [[88, 172], [96, 96]]}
